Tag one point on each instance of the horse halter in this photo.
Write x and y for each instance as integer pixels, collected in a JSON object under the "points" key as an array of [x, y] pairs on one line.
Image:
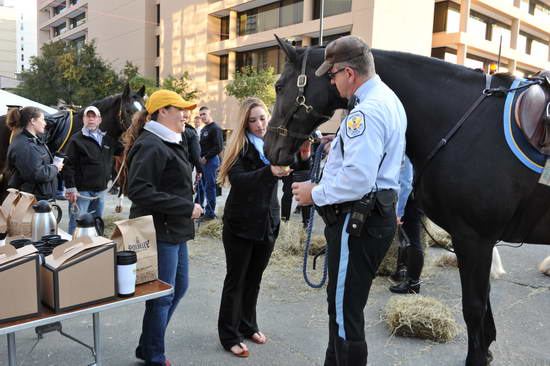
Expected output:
{"points": [[301, 83]]}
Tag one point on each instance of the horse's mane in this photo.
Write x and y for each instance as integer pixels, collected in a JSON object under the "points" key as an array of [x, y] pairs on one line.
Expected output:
{"points": [[441, 66], [107, 102]]}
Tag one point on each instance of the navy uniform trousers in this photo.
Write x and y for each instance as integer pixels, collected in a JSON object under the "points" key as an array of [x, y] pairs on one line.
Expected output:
{"points": [[352, 265]]}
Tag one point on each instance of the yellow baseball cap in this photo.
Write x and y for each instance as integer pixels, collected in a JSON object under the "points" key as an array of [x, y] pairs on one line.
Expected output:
{"points": [[163, 98]]}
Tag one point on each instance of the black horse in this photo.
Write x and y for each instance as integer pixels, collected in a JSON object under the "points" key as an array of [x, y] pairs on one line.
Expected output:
{"points": [[116, 113], [471, 188]]}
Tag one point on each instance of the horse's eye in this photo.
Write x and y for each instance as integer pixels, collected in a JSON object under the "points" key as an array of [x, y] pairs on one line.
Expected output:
{"points": [[278, 88]]}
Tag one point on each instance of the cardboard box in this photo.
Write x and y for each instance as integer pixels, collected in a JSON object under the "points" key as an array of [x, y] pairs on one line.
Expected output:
{"points": [[19, 283], [78, 273]]}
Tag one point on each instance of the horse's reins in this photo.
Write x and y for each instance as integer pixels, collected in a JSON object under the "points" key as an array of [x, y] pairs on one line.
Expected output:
{"points": [[487, 92], [301, 83]]}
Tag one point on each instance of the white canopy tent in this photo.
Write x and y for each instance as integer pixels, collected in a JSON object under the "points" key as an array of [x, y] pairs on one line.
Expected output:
{"points": [[7, 98]]}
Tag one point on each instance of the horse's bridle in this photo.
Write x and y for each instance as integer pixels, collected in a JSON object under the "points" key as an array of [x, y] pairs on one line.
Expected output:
{"points": [[301, 83]]}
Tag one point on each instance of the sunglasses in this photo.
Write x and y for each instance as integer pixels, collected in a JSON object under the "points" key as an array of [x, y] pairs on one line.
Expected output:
{"points": [[332, 75]]}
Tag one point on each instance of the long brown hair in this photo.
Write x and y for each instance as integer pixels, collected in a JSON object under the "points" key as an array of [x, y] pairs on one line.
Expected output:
{"points": [[238, 141], [18, 119], [129, 137]]}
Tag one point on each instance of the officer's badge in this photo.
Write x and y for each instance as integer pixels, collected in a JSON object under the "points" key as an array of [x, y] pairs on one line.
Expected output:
{"points": [[355, 124]]}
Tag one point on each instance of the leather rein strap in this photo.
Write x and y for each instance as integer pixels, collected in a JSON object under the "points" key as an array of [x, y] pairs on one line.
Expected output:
{"points": [[300, 102]]}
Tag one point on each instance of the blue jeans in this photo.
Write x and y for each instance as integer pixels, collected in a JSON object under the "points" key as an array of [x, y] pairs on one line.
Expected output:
{"points": [[173, 267], [207, 186], [84, 206]]}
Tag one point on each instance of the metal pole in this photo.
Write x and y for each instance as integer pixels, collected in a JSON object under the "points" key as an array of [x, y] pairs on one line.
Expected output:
{"points": [[97, 340], [321, 18], [12, 360], [499, 53]]}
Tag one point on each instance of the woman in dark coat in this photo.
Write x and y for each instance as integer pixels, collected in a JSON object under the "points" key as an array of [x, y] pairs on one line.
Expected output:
{"points": [[250, 226], [30, 162]]}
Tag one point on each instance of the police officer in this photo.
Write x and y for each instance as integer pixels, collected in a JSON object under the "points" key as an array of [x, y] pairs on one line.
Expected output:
{"points": [[360, 180]]}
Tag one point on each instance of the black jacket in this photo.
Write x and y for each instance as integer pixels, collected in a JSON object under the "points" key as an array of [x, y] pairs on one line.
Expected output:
{"points": [[159, 184], [88, 166], [193, 147], [252, 208], [211, 140], [30, 162]]}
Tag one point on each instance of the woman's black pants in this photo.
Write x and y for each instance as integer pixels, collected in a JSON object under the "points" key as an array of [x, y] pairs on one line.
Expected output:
{"points": [[246, 261]]}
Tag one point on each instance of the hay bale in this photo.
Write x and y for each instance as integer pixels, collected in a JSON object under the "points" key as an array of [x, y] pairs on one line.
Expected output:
{"points": [[291, 238], [447, 260], [211, 229], [437, 233], [109, 222], [544, 266], [318, 244], [389, 263], [421, 317]]}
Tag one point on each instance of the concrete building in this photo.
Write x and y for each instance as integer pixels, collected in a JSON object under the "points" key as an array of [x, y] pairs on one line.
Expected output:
{"points": [[8, 44], [211, 39], [26, 33], [123, 30]]}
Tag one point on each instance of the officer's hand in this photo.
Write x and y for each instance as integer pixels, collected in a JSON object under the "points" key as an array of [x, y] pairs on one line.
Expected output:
{"points": [[280, 171], [198, 176], [197, 211], [399, 222], [59, 166], [327, 140], [71, 196], [302, 193]]}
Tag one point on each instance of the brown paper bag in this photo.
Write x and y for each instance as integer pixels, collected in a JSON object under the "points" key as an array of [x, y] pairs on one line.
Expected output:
{"points": [[20, 219], [6, 208], [139, 235]]}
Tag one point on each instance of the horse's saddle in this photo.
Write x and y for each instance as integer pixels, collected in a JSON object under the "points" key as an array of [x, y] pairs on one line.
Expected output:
{"points": [[532, 112], [58, 128]]}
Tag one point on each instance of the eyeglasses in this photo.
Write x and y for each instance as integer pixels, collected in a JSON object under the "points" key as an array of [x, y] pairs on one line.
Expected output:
{"points": [[332, 75]]}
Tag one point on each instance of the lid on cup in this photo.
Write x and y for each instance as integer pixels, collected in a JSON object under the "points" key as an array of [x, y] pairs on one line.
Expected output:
{"points": [[126, 257]]}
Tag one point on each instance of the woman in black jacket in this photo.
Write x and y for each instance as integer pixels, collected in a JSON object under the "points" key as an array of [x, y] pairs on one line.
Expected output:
{"points": [[160, 184], [30, 162], [250, 226]]}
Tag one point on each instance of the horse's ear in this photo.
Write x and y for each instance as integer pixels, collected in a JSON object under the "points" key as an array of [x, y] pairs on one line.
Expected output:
{"points": [[141, 91], [126, 91], [288, 50]]}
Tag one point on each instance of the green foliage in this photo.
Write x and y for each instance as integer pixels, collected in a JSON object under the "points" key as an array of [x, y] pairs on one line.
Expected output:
{"points": [[181, 84], [76, 75], [249, 82]]}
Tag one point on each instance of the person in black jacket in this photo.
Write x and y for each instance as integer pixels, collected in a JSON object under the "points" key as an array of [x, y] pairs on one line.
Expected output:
{"points": [[90, 157], [250, 226], [30, 162], [192, 143], [211, 141], [160, 184]]}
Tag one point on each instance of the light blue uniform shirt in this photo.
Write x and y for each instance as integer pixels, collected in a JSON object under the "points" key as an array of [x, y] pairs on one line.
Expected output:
{"points": [[374, 129]]}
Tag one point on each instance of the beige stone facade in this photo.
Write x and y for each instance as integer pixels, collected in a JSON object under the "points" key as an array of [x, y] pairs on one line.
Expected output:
{"points": [[211, 39], [8, 45]]}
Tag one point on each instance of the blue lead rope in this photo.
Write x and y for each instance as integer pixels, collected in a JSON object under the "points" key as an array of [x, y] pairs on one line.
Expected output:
{"points": [[315, 178]]}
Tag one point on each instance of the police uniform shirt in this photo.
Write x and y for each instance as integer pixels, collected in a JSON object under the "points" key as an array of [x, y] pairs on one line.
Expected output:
{"points": [[374, 130]]}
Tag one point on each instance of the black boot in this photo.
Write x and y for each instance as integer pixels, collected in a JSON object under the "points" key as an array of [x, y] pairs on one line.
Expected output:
{"points": [[408, 286]]}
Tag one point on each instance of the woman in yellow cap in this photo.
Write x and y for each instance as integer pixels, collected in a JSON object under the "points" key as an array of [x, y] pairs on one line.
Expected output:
{"points": [[160, 184]]}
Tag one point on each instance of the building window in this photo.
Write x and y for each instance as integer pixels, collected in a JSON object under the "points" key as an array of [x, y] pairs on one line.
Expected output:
{"points": [[158, 46], [158, 14], [224, 67], [157, 76], [542, 11], [78, 20], [59, 9], [539, 50], [332, 7], [263, 18], [74, 2], [60, 29], [259, 59], [327, 39], [224, 28], [498, 31]]}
